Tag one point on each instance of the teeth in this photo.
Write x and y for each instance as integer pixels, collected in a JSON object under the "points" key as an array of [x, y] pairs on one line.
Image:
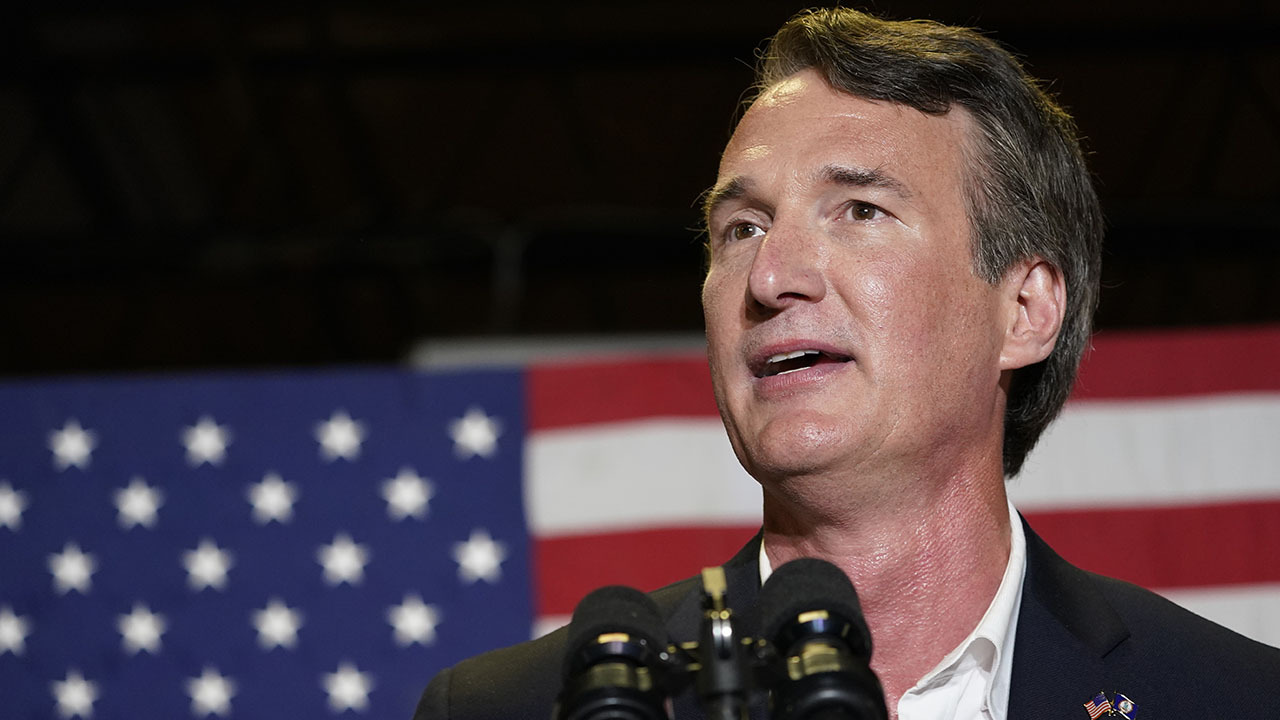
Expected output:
{"points": [[782, 363], [789, 356], [788, 372]]}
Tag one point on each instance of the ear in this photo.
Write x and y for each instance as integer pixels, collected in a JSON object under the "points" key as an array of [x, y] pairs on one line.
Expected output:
{"points": [[1036, 298]]}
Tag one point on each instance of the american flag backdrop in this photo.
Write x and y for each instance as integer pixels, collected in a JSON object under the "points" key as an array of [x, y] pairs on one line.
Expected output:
{"points": [[312, 544], [255, 546]]}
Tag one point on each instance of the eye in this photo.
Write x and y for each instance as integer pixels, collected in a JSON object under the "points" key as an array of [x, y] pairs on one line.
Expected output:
{"points": [[744, 230], [865, 211]]}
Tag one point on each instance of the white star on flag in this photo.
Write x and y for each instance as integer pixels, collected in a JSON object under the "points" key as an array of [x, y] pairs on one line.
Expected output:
{"points": [[75, 695], [72, 445], [479, 558], [407, 495], [348, 688], [14, 630], [343, 560], [207, 566], [414, 621], [475, 433], [211, 693], [72, 569], [272, 499], [206, 442], [277, 625], [141, 629], [340, 437], [12, 503], [137, 504]]}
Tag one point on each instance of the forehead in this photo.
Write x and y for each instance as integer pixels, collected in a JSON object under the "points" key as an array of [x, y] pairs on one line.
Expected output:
{"points": [[802, 125]]}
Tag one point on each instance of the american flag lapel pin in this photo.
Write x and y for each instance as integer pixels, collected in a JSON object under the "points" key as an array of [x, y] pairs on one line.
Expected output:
{"points": [[1098, 706]]}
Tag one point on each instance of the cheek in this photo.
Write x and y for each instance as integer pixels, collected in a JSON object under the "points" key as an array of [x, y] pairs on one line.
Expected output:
{"points": [[919, 317], [722, 301], [713, 312], [876, 293], [897, 301], [719, 321], [709, 292]]}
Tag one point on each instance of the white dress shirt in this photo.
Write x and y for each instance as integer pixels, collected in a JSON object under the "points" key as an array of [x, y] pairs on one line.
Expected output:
{"points": [[972, 681]]}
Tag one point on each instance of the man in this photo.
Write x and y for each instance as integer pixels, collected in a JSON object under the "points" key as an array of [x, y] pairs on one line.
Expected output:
{"points": [[903, 259]]}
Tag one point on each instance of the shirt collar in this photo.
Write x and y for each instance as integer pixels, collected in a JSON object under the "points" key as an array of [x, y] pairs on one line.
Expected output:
{"points": [[990, 644]]}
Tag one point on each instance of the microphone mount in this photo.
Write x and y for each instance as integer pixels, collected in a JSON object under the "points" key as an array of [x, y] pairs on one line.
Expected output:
{"points": [[816, 668]]}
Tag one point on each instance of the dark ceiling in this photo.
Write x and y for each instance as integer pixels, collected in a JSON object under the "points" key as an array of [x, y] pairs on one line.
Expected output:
{"points": [[232, 184]]}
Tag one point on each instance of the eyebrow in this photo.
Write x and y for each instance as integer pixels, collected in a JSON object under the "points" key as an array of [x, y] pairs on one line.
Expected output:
{"points": [[844, 175], [715, 197], [863, 177]]}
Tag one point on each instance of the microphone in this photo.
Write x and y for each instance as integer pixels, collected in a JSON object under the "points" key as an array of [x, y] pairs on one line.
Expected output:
{"points": [[812, 617], [614, 663]]}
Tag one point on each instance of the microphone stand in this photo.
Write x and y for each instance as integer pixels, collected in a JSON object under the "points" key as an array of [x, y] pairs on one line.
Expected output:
{"points": [[724, 680]]}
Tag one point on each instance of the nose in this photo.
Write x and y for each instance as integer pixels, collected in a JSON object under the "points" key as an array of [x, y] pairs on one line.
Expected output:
{"points": [[786, 269]]}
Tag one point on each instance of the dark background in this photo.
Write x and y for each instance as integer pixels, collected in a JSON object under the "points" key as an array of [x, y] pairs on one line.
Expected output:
{"points": [[194, 185]]}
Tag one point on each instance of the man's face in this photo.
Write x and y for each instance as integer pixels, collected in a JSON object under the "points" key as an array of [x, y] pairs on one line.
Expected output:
{"points": [[839, 235]]}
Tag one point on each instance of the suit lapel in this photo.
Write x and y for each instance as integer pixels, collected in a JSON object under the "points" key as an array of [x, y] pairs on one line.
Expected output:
{"points": [[1066, 630]]}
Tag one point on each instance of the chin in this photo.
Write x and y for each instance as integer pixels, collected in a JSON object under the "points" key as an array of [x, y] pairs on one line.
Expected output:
{"points": [[792, 447]]}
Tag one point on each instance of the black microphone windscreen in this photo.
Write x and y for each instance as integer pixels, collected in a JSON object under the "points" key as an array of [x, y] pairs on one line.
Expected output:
{"points": [[805, 585], [612, 609]]}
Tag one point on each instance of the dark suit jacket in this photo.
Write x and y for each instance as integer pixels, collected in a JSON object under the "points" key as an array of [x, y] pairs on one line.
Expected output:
{"points": [[1078, 634]]}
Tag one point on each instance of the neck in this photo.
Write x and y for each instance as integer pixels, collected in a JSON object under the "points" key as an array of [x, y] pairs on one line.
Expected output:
{"points": [[926, 565]]}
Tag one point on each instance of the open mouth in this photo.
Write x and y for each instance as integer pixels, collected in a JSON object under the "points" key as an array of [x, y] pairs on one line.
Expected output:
{"points": [[797, 360]]}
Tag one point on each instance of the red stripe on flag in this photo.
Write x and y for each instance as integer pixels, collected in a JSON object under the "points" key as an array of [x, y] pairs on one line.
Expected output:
{"points": [[1185, 362], [1171, 547], [567, 568], [569, 394], [1122, 365]]}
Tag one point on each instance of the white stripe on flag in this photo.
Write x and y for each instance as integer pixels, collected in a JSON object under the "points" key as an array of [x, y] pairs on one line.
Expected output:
{"points": [[1248, 609], [546, 623], [648, 473], [1165, 452], [681, 472]]}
